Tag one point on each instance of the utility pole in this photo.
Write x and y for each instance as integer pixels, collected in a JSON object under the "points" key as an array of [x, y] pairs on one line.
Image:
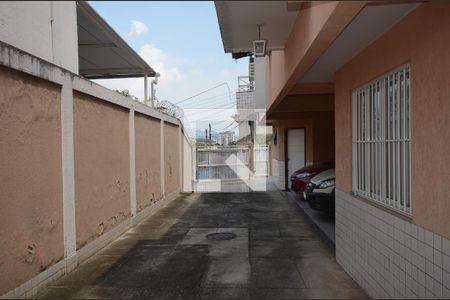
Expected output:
{"points": [[145, 89], [210, 134], [152, 88], [206, 144]]}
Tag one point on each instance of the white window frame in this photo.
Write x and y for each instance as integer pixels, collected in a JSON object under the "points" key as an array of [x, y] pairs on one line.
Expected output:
{"points": [[381, 142]]}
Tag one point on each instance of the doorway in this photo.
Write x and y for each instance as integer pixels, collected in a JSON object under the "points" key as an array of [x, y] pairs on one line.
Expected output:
{"points": [[295, 151]]}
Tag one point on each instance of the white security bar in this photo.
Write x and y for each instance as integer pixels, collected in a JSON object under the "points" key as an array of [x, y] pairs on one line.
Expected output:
{"points": [[382, 140]]}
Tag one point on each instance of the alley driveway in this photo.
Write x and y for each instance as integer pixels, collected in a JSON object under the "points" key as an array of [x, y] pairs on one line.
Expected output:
{"points": [[216, 245]]}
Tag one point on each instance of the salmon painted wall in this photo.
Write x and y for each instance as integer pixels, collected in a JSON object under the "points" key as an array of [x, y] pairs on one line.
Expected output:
{"points": [[31, 212], [313, 31], [148, 161], [319, 136], [102, 171], [31, 160], [323, 137], [305, 30], [281, 125], [422, 38], [171, 158]]}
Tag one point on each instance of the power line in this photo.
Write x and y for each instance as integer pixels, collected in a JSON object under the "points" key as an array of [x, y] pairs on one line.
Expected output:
{"points": [[208, 102], [229, 106], [216, 123], [219, 96], [202, 119], [211, 109], [205, 91], [227, 126]]}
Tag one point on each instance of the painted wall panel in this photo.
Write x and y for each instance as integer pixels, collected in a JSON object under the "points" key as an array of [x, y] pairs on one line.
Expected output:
{"points": [[102, 172], [171, 158], [148, 162], [31, 213]]}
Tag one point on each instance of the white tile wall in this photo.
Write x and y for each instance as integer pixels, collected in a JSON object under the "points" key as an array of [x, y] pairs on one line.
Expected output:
{"points": [[389, 256], [278, 174]]}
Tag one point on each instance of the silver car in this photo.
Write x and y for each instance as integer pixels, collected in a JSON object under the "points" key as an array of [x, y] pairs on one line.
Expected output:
{"points": [[320, 191]]}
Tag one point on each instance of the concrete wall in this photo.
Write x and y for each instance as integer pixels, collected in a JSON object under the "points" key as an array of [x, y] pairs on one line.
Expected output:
{"points": [[148, 161], [188, 165], [171, 158], [244, 129], [422, 39], [102, 176], [73, 155], [31, 214], [47, 29]]}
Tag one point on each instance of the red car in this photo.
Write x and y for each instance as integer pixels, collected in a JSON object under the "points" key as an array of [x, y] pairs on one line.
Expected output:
{"points": [[301, 177]]}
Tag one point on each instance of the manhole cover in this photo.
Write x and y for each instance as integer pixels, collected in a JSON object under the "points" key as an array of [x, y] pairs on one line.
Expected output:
{"points": [[221, 236]]}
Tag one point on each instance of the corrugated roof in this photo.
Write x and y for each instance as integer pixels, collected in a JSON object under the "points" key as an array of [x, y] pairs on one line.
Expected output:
{"points": [[102, 52]]}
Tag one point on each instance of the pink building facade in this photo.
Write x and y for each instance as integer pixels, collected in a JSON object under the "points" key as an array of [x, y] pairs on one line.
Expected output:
{"points": [[384, 67]]}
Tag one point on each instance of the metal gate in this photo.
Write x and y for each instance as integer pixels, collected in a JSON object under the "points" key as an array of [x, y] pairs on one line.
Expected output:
{"points": [[230, 169]]}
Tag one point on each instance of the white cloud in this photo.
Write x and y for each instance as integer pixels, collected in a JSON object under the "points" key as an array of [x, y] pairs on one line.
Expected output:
{"points": [[179, 81], [137, 28], [176, 84], [158, 60]]}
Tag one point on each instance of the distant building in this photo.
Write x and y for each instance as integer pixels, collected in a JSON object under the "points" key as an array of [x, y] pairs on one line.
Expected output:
{"points": [[333, 92], [245, 104], [226, 137], [250, 103]]}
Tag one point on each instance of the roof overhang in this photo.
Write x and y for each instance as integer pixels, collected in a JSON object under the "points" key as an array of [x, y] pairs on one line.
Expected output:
{"points": [[238, 22], [102, 53], [372, 21]]}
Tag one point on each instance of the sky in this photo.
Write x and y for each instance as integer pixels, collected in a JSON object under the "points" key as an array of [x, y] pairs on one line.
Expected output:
{"points": [[181, 41]]}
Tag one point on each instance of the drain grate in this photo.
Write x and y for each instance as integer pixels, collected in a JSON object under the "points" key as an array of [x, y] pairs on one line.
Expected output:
{"points": [[221, 236]]}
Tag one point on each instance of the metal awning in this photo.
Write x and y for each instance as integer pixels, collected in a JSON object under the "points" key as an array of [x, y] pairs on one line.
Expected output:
{"points": [[238, 24], [102, 53]]}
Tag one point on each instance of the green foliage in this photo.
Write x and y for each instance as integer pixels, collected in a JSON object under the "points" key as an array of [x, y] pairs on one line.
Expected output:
{"points": [[126, 93]]}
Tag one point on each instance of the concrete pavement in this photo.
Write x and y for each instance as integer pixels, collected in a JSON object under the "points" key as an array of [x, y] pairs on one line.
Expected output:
{"points": [[214, 245]]}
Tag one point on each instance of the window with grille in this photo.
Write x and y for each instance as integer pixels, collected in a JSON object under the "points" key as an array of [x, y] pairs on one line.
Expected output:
{"points": [[382, 140]]}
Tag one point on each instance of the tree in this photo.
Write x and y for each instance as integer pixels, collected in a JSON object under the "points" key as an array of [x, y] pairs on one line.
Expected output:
{"points": [[126, 93]]}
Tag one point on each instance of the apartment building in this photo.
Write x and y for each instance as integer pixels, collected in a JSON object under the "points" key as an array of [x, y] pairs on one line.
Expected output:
{"points": [[365, 84]]}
